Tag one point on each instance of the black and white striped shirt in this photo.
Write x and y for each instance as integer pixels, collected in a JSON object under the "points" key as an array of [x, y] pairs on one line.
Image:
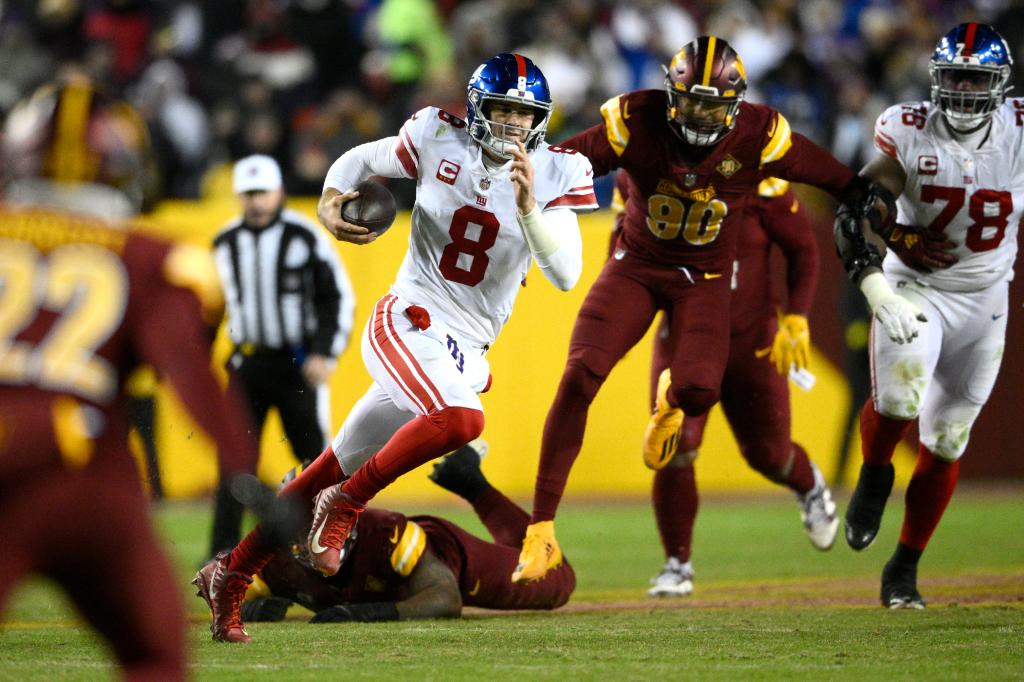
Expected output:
{"points": [[284, 286]]}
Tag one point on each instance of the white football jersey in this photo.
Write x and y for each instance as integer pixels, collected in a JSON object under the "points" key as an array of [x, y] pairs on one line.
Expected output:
{"points": [[467, 255], [973, 193]]}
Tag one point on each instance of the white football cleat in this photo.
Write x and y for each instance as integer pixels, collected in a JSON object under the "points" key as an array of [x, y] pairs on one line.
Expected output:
{"points": [[818, 512], [675, 580]]}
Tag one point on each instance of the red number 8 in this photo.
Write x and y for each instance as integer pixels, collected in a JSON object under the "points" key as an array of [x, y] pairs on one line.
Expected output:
{"points": [[449, 265]]}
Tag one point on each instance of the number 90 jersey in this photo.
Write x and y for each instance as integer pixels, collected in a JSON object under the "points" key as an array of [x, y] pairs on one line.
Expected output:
{"points": [[467, 254], [972, 195]]}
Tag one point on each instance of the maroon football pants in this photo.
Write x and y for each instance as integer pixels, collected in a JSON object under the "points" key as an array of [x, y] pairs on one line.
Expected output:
{"points": [[615, 315], [90, 533], [755, 400]]}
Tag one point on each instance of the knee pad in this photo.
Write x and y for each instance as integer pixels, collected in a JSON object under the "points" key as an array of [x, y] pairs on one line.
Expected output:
{"points": [[900, 395], [580, 380], [696, 400], [460, 424], [947, 441]]}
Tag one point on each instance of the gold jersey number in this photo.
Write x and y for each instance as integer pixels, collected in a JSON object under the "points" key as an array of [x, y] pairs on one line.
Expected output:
{"points": [[699, 221], [86, 287]]}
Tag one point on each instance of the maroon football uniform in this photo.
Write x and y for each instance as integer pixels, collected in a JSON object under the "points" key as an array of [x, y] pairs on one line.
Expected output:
{"points": [[83, 304], [388, 547], [755, 397], [690, 200], [675, 254]]}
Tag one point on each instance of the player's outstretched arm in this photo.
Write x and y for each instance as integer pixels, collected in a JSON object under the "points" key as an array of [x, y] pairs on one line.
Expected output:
{"points": [[916, 245], [863, 261]]}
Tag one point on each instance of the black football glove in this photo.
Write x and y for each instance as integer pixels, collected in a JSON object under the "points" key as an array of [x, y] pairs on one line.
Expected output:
{"points": [[265, 609], [373, 612], [921, 248]]}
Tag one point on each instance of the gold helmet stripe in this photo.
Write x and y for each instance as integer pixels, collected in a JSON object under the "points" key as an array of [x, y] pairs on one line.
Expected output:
{"points": [[709, 60], [615, 124], [71, 159]]}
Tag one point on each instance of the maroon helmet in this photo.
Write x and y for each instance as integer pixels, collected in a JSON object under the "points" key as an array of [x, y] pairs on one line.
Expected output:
{"points": [[705, 82], [70, 133]]}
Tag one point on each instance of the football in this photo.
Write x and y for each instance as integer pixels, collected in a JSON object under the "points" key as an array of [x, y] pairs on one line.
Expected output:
{"points": [[373, 209]]}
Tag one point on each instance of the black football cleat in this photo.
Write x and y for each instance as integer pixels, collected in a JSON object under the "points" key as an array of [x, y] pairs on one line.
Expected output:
{"points": [[459, 471], [899, 586], [864, 514]]}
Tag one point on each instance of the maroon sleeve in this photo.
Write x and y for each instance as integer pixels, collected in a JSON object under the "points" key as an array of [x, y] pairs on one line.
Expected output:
{"points": [[593, 143], [785, 222], [620, 195], [808, 163], [172, 336]]}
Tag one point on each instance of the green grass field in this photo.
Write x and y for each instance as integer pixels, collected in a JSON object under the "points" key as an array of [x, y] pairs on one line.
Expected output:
{"points": [[766, 606]]}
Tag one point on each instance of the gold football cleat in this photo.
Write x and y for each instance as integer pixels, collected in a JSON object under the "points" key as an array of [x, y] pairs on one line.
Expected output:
{"points": [[540, 553], [662, 436]]}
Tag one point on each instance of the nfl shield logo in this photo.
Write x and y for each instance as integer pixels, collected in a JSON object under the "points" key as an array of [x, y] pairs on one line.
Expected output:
{"points": [[690, 179], [485, 184]]}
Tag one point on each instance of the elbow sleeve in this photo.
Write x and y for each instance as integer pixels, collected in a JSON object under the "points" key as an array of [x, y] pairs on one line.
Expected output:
{"points": [[554, 241]]}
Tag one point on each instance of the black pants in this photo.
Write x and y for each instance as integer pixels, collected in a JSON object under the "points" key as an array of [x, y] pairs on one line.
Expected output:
{"points": [[269, 379]]}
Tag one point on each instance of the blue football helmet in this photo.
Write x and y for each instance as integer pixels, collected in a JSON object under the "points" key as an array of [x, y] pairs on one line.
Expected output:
{"points": [[970, 70], [510, 78]]}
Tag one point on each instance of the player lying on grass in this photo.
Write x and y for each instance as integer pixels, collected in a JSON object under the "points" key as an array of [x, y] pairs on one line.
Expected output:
{"points": [[400, 568]]}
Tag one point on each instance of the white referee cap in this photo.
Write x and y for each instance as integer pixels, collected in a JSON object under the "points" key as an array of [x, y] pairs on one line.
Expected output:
{"points": [[256, 172]]}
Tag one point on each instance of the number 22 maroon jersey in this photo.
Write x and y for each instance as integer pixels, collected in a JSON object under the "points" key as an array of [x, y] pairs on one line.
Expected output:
{"points": [[690, 200], [82, 304]]}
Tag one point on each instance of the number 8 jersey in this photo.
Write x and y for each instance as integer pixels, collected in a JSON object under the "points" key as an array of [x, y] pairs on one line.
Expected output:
{"points": [[971, 190], [467, 255]]}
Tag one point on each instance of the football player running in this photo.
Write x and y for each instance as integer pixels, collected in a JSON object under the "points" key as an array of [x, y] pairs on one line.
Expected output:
{"points": [[763, 347], [956, 164], [695, 171], [491, 198]]}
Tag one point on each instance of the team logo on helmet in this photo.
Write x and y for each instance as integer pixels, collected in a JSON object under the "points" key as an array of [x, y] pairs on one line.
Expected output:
{"points": [[970, 72], [513, 79], [705, 82], [72, 134]]}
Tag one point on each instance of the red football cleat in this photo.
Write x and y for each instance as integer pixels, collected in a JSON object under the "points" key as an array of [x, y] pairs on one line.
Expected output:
{"points": [[224, 592], [334, 516]]}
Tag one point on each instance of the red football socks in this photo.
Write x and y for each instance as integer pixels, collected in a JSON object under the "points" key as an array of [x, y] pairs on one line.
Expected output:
{"points": [[880, 435], [417, 442], [931, 487]]}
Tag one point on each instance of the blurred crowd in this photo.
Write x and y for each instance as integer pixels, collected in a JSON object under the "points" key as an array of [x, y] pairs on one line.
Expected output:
{"points": [[305, 80]]}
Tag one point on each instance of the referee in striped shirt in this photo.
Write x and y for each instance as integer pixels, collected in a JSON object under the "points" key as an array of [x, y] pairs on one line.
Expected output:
{"points": [[289, 307]]}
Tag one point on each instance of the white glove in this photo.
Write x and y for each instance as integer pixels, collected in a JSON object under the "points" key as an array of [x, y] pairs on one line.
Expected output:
{"points": [[896, 314]]}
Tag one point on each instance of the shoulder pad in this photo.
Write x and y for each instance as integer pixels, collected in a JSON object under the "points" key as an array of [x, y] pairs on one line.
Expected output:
{"points": [[408, 548], [779, 138], [191, 267]]}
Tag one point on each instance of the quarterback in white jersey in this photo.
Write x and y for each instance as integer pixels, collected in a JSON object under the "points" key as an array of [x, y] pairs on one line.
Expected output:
{"points": [[956, 166], [491, 198]]}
